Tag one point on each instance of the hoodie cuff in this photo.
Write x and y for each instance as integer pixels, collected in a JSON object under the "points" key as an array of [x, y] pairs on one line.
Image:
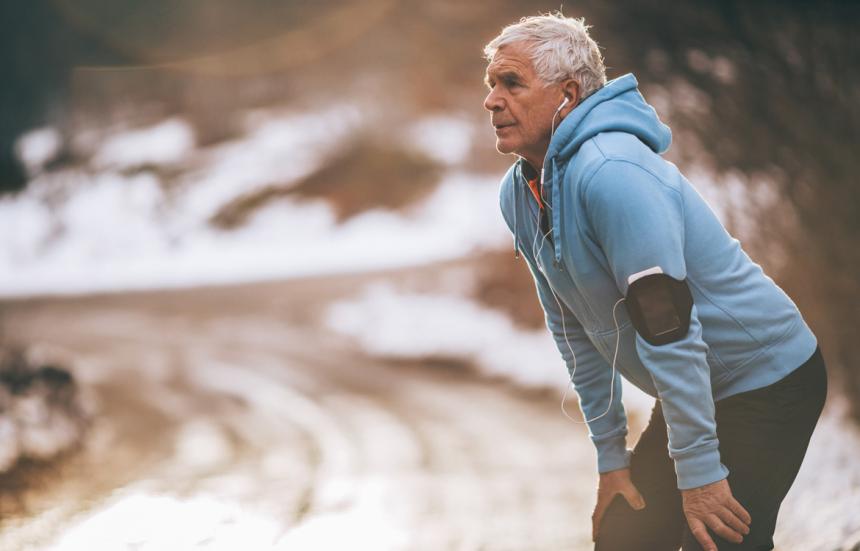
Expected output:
{"points": [[612, 454], [700, 469]]}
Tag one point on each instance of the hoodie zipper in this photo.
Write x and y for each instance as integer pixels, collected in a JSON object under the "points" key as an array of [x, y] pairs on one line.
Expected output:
{"points": [[566, 275]]}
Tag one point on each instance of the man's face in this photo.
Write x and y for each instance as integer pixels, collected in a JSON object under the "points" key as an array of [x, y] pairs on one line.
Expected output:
{"points": [[521, 106]]}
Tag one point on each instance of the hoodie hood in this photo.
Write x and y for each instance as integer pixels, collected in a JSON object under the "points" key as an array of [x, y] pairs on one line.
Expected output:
{"points": [[616, 107]]}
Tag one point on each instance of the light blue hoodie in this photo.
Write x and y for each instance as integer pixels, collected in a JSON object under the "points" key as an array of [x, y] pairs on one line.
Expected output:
{"points": [[619, 208]]}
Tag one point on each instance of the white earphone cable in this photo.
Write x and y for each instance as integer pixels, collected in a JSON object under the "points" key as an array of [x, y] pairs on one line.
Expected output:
{"points": [[536, 255]]}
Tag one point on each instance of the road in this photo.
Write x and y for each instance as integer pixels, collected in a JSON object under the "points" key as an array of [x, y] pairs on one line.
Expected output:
{"points": [[228, 416]]}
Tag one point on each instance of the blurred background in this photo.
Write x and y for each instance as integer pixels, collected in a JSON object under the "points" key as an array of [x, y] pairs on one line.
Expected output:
{"points": [[255, 289]]}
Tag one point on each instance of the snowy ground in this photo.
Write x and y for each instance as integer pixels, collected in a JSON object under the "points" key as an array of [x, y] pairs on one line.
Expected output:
{"points": [[407, 324], [226, 416], [111, 225], [420, 325]]}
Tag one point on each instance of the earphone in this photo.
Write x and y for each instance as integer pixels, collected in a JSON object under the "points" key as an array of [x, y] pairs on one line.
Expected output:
{"points": [[557, 111], [551, 133], [536, 254]]}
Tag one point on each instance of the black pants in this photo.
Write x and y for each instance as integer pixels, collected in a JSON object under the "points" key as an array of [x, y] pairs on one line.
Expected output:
{"points": [[763, 437]]}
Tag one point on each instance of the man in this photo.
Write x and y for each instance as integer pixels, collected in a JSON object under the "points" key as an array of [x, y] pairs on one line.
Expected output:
{"points": [[600, 219]]}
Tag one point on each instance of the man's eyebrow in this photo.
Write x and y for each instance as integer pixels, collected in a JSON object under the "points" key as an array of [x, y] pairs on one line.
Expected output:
{"points": [[508, 73]]}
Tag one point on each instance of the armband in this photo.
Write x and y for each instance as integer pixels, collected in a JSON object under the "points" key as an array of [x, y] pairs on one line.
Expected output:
{"points": [[659, 306]]}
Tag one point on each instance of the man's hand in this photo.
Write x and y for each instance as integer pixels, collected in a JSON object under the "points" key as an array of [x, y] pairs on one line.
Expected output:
{"points": [[714, 506], [611, 484]]}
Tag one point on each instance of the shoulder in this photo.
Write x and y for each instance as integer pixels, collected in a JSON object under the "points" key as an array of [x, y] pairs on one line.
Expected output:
{"points": [[622, 168], [625, 192], [596, 152], [624, 146]]}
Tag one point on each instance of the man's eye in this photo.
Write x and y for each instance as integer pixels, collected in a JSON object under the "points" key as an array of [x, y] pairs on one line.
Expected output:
{"points": [[506, 82]]}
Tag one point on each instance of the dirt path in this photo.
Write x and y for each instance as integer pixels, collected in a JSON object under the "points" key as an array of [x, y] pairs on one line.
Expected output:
{"points": [[227, 415]]}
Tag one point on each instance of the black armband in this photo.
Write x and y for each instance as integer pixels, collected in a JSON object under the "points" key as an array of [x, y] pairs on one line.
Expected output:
{"points": [[659, 307]]}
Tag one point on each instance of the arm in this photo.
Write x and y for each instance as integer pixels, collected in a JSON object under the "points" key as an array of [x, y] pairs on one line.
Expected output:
{"points": [[638, 220], [592, 378]]}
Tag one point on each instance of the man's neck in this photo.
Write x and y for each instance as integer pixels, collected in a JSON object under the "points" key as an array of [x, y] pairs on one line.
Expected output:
{"points": [[535, 159], [532, 167], [529, 171]]}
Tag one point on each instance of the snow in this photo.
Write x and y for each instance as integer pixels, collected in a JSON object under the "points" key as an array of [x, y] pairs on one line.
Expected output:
{"points": [[414, 325], [117, 230], [116, 237], [167, 142], [137, 520], [827, 488], [277, 148], [444, 138], [202, 444], [37, 147]]}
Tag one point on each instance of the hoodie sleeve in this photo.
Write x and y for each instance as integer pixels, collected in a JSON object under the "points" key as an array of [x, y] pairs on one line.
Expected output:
{"points": [[591, 380], [638, 221]]}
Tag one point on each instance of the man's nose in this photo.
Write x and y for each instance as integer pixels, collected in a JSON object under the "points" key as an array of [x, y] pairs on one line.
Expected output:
{"points": [[493, 101]]}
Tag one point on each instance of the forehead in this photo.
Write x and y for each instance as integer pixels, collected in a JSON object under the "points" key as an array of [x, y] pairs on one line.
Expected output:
{"points": [[511, 58]]}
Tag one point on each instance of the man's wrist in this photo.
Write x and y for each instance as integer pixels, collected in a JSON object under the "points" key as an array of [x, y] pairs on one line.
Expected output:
{"points": [[612, 455], [697, 470]]}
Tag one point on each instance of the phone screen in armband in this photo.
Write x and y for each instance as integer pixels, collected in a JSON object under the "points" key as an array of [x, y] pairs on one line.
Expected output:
{"points": [[658, 308]]}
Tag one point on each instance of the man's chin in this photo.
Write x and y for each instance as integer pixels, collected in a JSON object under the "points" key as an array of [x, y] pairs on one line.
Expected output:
{"points": [[504, 147]]}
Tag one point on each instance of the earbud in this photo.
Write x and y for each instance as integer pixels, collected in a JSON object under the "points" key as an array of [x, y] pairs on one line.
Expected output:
{"points": [[560, 107], [557, 111]]}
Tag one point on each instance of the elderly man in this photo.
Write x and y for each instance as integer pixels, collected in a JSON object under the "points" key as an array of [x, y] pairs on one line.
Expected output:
{"points": [[600, 219]]}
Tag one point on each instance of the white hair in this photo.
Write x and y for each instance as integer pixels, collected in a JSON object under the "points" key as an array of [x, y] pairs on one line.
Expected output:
{"points": [[560, 48]]}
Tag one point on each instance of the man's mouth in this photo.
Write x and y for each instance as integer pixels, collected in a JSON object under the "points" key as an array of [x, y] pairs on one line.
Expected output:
{"points": [[500, 126]]}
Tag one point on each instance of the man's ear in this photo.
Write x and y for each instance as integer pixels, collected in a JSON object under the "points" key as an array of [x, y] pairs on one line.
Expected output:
{"points": [[570, 89]]}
